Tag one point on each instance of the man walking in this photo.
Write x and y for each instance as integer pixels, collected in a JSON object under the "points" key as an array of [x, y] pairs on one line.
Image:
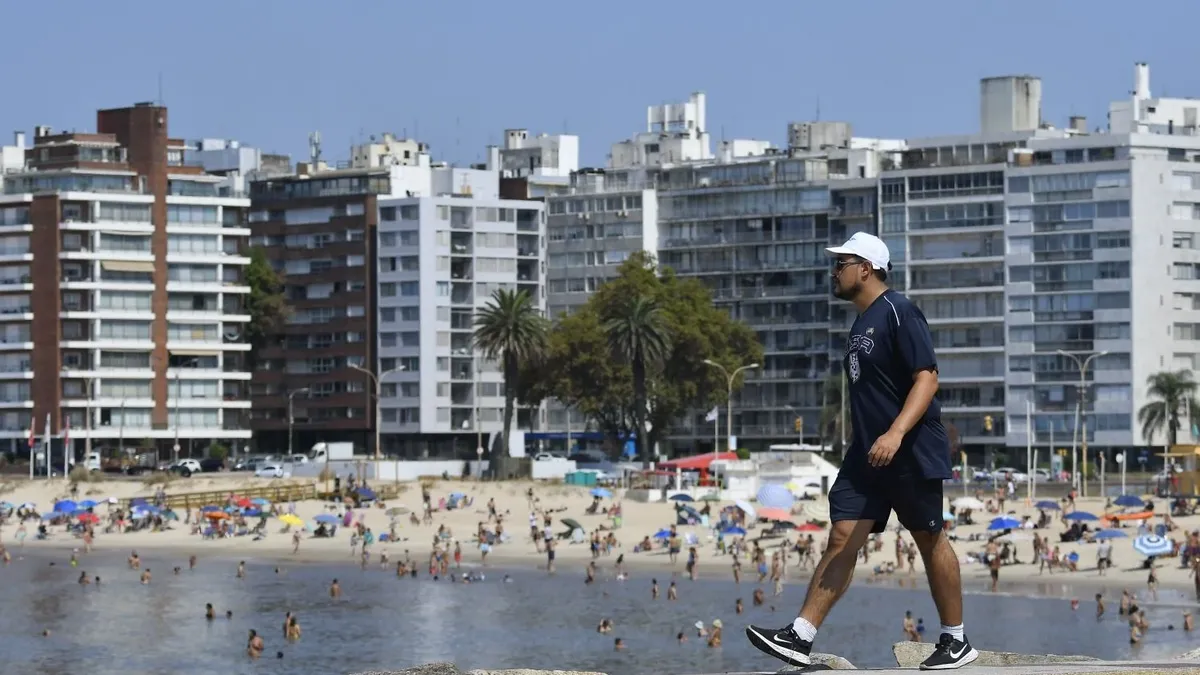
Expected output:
{"points": [[898, 457]]}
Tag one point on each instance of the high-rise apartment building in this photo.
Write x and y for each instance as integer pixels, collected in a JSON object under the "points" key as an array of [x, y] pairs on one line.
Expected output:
{"points": [[122, 290], [384, 270], [445, 247], [318, 230]]}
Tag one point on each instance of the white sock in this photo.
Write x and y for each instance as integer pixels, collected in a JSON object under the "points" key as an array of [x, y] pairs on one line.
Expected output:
{"points": [[807, 631], [955, 632]]}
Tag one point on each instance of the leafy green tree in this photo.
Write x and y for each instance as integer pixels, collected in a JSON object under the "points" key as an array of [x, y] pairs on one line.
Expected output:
{"points": [[1172, 396], [511, 330], [687, 329], [832, 419], [266, 304]]}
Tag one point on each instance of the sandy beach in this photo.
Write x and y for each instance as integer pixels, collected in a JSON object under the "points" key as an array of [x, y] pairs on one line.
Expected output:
{"points": [[639, 520]]}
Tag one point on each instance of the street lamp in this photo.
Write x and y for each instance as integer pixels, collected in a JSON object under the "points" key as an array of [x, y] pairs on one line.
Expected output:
{"points": [[730, 377], [178, 395], [291, 416], [1075, 436], [378, 413]]}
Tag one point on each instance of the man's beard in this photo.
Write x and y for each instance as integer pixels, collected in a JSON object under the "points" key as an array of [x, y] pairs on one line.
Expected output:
{"points": [[847, 293]]}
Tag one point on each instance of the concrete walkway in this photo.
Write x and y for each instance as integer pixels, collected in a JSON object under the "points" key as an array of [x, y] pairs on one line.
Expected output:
{"points": [[1117, 667]]}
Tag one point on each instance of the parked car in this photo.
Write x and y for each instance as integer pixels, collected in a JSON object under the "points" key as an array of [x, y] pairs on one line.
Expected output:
{"points": [[186, 467], [271, 470], [211, 465]]}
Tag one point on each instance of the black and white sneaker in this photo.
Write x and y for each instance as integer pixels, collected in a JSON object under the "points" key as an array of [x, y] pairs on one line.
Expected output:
{"points": [[950, 654], [783, 643]]}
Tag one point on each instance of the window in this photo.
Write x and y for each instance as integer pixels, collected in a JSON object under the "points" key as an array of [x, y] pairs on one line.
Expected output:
{"points": [[125, 330], [125, 360], [128, 213], [193, 332], [130, 301], [131, 243], [192, 243], [410, 212], [387, 213], [185, 214], [410, 288], [192, 273]]}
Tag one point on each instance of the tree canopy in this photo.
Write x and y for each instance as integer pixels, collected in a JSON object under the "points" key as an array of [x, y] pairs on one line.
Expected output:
{"points": [[266, 305], [672, 324]]}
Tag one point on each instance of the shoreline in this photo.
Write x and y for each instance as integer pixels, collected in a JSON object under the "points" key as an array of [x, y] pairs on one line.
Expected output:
{"points": [[1081, 585]]}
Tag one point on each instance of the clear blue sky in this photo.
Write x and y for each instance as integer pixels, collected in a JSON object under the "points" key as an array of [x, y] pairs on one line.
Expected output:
{"points": [[268, 72]]}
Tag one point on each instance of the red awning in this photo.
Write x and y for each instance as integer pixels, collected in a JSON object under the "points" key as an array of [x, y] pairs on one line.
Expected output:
{"points": [[698, 461]]}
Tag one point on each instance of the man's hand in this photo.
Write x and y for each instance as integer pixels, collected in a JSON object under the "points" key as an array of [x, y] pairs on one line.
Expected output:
{"points": [[885, 448]]}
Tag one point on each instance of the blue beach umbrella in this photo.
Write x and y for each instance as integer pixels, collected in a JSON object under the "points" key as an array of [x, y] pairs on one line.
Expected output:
{"points": [[1081, 516], [87, 504], [259, 501], [663, 534], [65, 506], [1151, 545], [326, 518], [1003, 524], [209, 509], [1129, 500], [252, 513], [681, 497], [1110, 534], [52, 515], [602, 493], [734, 531], [1048, 505], [776, 496]]}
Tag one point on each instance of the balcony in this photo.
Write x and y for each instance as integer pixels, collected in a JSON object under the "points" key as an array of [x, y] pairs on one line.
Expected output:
{"points": [[462, 420], [461, 319], [461, 344], [461, 243], [527, 220], [460, 217], [462, 369], [462, 394], [462, 294], [461, 270], [527, 246]]}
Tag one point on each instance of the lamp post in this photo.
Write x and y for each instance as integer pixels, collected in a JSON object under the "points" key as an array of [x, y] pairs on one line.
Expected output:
{"points": [[729, 377], [1075, 436], [378, 416], [87, 422], [179, 394], [292, 417]]}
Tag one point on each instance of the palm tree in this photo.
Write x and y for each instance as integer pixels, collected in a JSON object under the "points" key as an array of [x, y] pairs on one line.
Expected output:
{"points": [[511, 330], [638, 334], [1172, 396]]}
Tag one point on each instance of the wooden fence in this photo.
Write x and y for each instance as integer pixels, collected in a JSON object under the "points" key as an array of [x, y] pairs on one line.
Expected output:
{"points": [[273, 493]]}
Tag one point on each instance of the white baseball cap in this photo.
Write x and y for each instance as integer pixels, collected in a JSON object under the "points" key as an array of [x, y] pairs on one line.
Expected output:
{"points": [[868, 247]]}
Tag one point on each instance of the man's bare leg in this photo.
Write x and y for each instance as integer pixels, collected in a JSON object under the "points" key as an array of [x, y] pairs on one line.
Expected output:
{"points": [[945, 580], [832, 575]]}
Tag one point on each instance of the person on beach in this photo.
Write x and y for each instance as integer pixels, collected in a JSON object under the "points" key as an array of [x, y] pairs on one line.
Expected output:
{"points": [[1099, 605], [672, 591], [146, 577], [897, 460], [254, 645], [654, 589]]}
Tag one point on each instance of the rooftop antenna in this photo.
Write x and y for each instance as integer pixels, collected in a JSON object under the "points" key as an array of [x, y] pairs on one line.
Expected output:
{"points": [[160, 91], [818, 109], [314, 149]]}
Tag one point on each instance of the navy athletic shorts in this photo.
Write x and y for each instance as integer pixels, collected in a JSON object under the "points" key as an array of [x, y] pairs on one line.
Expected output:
{"points": [[863, 493]]}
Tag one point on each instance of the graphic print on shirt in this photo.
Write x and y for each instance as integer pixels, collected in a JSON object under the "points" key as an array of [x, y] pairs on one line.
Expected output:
{"points": [[858, 343]]}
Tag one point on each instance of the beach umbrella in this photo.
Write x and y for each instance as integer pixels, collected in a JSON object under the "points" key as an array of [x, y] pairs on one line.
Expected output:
{"points": [[6, 506], [746, 508], [711, 497], [768, 513], [398, 511], [947, 517], [139, 515], [1151, 545], [87, 504], [52, 515], [571, 523], [457, 495], [734, 531], [663, 534], [1129, 500], [775, 496], [602, 493], [28, 505], [1047, 505], [89, 518], [216, 515], [1003, 524], [967, 503], [242, 502], [291, 519], [65, 506], [252, 513], [170, 515], [209, 509], [1111, 534], [1080, 516], [365, 493], [327, 518], [809, 527], [259, 501], [681, 497]]}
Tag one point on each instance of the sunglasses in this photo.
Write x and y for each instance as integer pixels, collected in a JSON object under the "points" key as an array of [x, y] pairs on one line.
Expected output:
{"points": [[839, 265]]}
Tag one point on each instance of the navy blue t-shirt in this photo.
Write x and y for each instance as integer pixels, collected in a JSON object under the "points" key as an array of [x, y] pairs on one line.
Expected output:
{"points": [[888, 344]]}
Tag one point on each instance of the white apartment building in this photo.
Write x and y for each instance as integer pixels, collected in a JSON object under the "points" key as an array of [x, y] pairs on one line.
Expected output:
{"points": [[443, 250], [122, 295]]}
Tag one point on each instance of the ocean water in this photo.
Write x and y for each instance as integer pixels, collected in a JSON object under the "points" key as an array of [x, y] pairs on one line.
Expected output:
{"points": [[538, 621]]}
